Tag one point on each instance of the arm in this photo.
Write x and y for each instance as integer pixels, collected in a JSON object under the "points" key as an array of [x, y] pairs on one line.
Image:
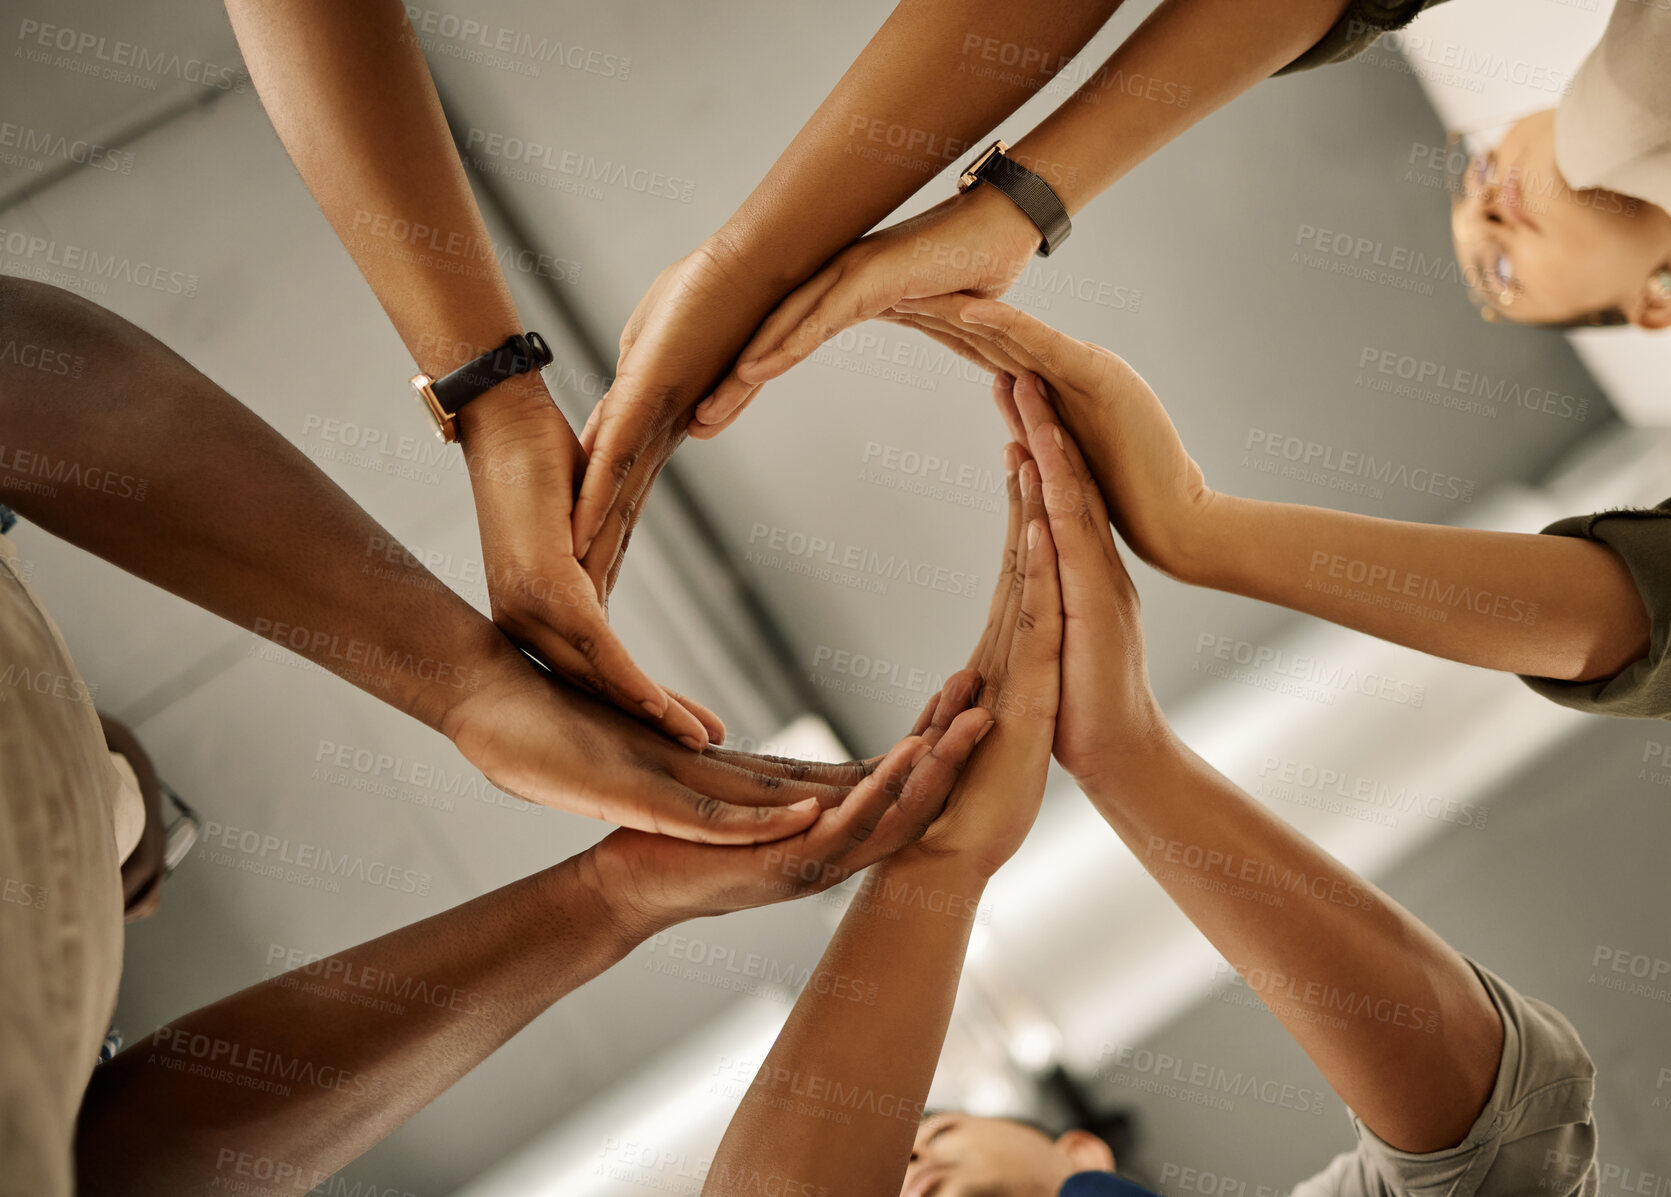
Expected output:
{"points": [[920, 79], [167, 476], [1548, 606], [1396, 1020], [1188, 59], [355, 1063], [349, 93], [906, 931]]}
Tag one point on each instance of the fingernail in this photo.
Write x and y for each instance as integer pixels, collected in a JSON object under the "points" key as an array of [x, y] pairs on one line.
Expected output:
{"points": [[585, 546], [654, 711], [692, 743], [805, 804], [981, 735], [1056, 431], [1032, 534]]}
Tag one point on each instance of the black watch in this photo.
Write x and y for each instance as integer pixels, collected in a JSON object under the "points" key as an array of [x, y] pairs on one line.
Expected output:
{"points": [[1031, 194], [443, 397]]}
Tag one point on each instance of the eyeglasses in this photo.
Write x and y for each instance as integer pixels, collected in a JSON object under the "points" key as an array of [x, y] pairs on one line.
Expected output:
{"points": [[182, 832]]}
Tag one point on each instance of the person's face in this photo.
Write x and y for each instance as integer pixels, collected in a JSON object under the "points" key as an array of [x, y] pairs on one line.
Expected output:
{"points": [[957, 1155], [1536, 251]]}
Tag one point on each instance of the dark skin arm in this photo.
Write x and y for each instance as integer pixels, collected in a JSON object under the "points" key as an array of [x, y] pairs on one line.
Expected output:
{"points": [[308, 1070], [181, 485]]}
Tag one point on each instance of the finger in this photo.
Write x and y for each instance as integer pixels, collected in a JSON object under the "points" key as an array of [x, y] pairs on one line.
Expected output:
{"points": [[712, 722], [843, 838], [720, 776], [1053, 354], [1034, 666], [586, 650], [927, 788], [982, 660], [1003, 394], [777, 326], [589, 434], [840, 774], [626, 427], [852, 299], [692, 814], [1032, 509], [1042, 349], [707, 432], [926, 718], [1078, 524], [940, 314], [944, 334]]}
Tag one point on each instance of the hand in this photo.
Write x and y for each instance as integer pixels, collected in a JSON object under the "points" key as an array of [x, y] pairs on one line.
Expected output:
{"points": [[1108, 708], [524, 460], [651, 882], [680, 339], [1160, 499], [977, 242], [1020, 660], [543, 740]]}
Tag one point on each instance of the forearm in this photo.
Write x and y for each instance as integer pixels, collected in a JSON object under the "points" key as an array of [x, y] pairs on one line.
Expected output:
{"points": [[350, 95], [1189, 58], [1392, 1015], [200, 497], [917, 100], [862, 1041], [309, 1069], [1548, 606]]}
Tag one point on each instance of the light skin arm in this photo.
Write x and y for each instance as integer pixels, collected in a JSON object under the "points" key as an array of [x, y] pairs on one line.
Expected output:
{"points": [[1396, 1020], [1187, 59], [349, 92], [361, 1041], [918, 99], [904, 936], [1547, 606]]}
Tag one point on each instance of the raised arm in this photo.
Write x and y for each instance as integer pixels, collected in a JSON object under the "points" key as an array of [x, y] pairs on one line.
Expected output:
{"points": [[867, 1066], [1188, 58], [1547, 606], [1399, 1023], [307, 1070], [165, 475], [349, 92], [918, 99]]}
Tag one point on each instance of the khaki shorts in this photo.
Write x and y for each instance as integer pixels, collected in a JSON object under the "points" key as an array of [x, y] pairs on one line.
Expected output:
{"points": [[70, 813]]}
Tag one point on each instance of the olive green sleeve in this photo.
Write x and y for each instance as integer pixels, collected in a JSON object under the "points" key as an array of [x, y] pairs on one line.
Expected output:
{"points": [[1356, 31], [1642, 689]]}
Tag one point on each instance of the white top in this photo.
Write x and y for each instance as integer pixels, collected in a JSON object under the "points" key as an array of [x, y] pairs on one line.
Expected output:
{"points": [[1613, 128]]}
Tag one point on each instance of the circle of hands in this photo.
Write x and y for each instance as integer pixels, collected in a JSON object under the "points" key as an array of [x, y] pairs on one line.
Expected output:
{"points": [[706, 829]]}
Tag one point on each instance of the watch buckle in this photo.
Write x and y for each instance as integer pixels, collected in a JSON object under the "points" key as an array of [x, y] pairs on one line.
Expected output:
{"points": [[973, 175], [446, 426]]}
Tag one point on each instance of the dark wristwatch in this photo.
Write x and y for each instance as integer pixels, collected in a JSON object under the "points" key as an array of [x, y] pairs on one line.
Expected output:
{"points": [[1031, 194], [443, 397]]}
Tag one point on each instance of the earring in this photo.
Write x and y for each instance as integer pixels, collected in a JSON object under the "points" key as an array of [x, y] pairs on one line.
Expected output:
{"points": [[1661, 282]]}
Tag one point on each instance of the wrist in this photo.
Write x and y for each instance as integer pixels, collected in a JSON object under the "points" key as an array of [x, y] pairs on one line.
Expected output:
{"points": [[577, 888], [1001, 220], [495, 417], [905, 878], [1148, 752]]}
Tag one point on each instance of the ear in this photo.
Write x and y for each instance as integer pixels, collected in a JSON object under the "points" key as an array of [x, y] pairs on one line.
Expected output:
{"points": [[1086, 1151], [1652, 309]]}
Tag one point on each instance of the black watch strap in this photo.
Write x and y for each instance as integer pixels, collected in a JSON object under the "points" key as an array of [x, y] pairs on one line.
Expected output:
{"points": [[1030, 193], [518, 355]]}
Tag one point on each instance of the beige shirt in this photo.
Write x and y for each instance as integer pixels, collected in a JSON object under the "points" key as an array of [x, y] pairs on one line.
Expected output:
{"points": [[1535, 1135], [1613, 127], [68, 817]]}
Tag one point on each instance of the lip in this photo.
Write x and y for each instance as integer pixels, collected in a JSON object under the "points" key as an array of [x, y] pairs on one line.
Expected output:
{"points": [[926, 1183]]}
